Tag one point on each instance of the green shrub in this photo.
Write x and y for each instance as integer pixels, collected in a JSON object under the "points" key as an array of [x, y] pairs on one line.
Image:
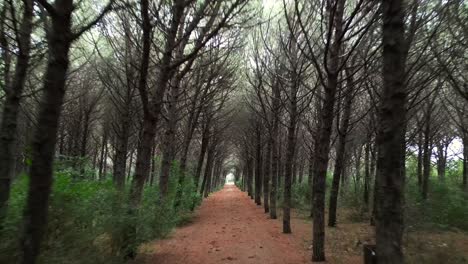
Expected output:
{"points": [[87, 218]]}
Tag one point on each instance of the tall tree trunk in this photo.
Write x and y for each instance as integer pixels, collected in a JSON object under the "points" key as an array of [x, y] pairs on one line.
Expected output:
{"points": [[465, 162], [266, 178], [419, 170], [373, 169], [311, 181], [274, 150], [169, 142], [274, 173], [367, 174], [153, 166], [441, 160], [258, 166], [426, 158], [301, 170], [391, 137], [250, 177], [322, 146], [142, 164], [45, 136], [201, 156], [152, 108], [340, 154], [9, 124], [205, 188], [121, 152], [290, 147]]}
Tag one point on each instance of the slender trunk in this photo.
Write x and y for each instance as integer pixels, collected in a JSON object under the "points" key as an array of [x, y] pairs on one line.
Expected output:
{"points": [[367, 174], [201, 156], [465, 163], [419, 170], [426, 159], [84, 138], [205, 188], [311, 181], [266, 178], [324, 135], [374, 191], [104, 160], [441, 160], [391, 137], [274, 149], [301, 171], [274, 173], [290, 147], [169, 145], [9, 124], [258, 168], [45, 136], [340, 154], [150, 120], [143, 161], [250, 177], [121, 152], [153, 165]]}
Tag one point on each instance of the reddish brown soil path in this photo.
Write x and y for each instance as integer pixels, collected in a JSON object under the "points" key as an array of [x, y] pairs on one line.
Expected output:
{"points": [[229, 228]]}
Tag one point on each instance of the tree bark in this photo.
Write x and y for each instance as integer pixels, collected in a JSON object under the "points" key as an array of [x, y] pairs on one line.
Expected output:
{"points": [[201, 156], [426, 158], [121, 152], [45, 137], [419, 170], [322, 146], [465, 163], [205, 188], [391, 137], [367, 174], [169, 145], [340, 154], [290, 147], [250, 177], [441, 160], [258, 166], [266, 177], [9, 124]]}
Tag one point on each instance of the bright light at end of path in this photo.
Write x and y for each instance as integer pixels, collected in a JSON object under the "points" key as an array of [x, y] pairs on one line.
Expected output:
{"points": [[230, 179]]}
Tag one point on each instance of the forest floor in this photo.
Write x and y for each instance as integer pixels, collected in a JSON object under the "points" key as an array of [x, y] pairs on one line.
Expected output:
{"points": [[229, 228]]}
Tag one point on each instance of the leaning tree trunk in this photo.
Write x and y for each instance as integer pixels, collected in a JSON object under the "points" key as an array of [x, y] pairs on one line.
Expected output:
{"points": [[9, 124], [45, 136], [391, 137]]}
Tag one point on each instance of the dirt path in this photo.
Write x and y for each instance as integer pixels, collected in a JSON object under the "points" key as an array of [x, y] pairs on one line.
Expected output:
{"points": [[230, 228]]}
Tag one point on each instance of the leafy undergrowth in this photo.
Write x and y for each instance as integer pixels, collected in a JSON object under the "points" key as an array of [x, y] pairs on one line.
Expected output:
{"points": [[87, 219]]}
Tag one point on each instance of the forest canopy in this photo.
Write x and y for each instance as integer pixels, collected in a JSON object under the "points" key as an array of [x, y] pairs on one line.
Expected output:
{"points": [[119, 117]]}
